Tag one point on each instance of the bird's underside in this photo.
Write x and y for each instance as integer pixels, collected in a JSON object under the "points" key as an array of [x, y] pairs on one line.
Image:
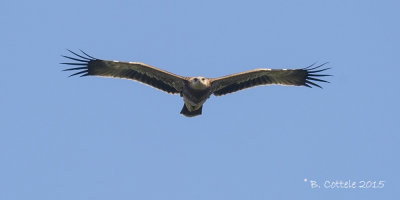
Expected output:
{"points": [[194, 90]]}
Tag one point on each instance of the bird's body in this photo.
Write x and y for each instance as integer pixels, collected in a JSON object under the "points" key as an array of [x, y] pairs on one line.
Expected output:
{"points": [[194, 90], [195, 93]]}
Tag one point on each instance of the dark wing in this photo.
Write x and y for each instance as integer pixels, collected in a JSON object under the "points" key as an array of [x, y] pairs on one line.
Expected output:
{"points": [[149, 75], [290, 77]]}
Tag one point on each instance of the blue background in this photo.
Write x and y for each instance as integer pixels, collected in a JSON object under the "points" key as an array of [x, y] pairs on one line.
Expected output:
{"points": [[101, 138]]}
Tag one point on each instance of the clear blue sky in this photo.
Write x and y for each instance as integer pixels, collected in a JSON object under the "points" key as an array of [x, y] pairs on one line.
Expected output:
{"points": [[101, 138]]}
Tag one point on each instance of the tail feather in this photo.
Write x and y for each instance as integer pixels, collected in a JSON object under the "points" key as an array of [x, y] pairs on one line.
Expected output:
{"points": [[193, 113]]}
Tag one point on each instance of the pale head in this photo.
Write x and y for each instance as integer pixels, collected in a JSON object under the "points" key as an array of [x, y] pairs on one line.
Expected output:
{"points": [[199, 83]]}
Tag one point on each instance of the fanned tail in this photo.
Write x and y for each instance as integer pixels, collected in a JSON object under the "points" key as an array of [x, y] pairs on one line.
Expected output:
{"points": [[188, 113]]}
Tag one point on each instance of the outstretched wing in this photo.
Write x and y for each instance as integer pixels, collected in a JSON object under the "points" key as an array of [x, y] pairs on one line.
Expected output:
{"points": [[147, 74], [290, 77]]}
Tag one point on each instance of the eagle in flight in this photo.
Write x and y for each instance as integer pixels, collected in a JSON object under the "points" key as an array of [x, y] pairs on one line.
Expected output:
{"points": [[194, 90]]}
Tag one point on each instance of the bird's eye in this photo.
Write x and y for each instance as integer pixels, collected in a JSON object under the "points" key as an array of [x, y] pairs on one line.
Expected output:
{"points": [[203, 79]]}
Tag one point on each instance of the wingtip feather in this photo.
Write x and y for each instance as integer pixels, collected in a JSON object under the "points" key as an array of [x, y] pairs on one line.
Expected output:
{"points": [[312, 83], [312, 72], [80, 56], [75, 68], [81, 72], [316, 79], [81, 60], [87, 54], [76, 59]]}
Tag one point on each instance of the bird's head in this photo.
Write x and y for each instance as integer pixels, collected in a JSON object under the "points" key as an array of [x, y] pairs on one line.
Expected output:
{"points": [[199, 83]]}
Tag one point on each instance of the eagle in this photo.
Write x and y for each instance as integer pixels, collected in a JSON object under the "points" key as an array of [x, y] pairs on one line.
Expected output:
{"points": [[194, 90]]}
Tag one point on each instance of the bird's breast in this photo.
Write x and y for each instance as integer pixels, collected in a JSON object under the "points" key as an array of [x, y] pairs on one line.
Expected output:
{"points": [[195, 97]]}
